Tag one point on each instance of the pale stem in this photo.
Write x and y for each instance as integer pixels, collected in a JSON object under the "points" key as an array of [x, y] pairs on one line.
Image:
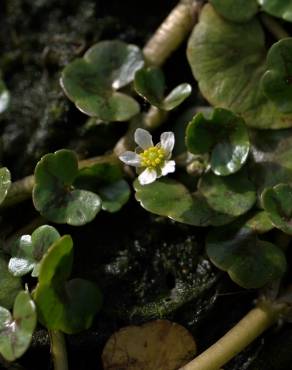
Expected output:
{"points": [[239, 337], [171, 33], [58, 350]]}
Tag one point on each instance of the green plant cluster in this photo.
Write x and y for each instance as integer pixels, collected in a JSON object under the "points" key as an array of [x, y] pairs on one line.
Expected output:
{"points": [[241, 196]]}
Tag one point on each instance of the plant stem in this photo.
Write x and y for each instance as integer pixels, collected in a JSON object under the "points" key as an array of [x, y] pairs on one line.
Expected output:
{"points": [[171, 32], [58, 350], [274, 27], [240, 336]]}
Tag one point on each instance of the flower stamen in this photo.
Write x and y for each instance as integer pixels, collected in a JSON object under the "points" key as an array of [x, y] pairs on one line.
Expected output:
{"points": [[153, 157]]}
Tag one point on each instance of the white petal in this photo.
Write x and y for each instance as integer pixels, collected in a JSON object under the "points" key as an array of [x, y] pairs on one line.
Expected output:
{"points": [[143, 138], [168, 167], [147, 176], [131, 158], [167, 141]]}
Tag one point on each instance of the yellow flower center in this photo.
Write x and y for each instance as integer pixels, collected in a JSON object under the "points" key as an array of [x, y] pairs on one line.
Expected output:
{"points": [[153, 157]]}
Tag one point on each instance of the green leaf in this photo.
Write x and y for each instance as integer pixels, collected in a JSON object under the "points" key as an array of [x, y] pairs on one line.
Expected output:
{"points": [[10, 285], [4, 96], [29, 251], [5, 182], [170, 198], [69, 306], [54, 195], [249, 261], [236, 10], [233, 195], [277, 81], [228, 61], [16, 331], [114, 196], [270, 158], [91, 82], [277, 202], [150, 84], [278, 8], [260, 222], [106, 180], [224, 135]]}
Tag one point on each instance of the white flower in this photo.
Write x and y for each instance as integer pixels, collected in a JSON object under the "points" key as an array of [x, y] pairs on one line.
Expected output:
{"points": [[155, 159]]}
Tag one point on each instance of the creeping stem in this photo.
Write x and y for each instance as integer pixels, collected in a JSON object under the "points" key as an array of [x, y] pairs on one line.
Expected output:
{"points": [[171, 33], [240, 336], [58, 350]]}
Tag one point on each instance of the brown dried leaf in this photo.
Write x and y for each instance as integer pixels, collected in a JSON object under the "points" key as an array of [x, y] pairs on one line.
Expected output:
{"points": [[156, 345]]}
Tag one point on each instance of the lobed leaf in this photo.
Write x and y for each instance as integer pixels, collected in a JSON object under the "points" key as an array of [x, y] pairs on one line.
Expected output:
{"points": [[249, 261], [233, 195], [224, 135], [172, 199], [54, 195], [228, 61], [91, 82], [69, 306], [29, 251], [16, 331]]}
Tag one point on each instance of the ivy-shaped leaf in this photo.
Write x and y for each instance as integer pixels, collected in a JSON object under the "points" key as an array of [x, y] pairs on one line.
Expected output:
{"points": [[92, 82], [106, 180], [29, 250], [249, 261], [16, 330], [278, 8], [54, 195], [277, 81], [233, 195], [224, 135], [277, 202], [4, 96], [236, 10], [10, 285], [172, 199], [228, 61], [5, 182], [69, 306], [150, 84]]}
